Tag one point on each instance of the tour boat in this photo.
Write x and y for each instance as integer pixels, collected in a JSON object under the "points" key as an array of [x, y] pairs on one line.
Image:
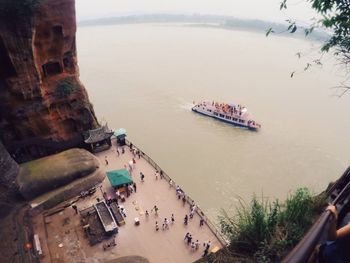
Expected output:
{"points": [[231, 113]]}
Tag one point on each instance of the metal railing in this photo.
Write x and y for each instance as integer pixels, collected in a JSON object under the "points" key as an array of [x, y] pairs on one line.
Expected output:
{"points": [[304, 249], [189, 200]]}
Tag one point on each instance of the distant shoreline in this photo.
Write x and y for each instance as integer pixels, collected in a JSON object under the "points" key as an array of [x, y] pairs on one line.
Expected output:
{"points": [[213, 21]]}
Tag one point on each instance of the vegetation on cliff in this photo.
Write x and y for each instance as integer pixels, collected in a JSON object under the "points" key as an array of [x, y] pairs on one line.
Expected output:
{"points": [[66, 87], [264, 231], [333, 16]]}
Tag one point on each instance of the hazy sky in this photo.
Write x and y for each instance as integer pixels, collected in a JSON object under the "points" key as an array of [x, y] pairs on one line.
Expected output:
{"points": [[256, 9]]}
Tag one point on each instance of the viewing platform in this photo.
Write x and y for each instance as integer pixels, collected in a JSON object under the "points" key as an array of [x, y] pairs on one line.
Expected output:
{"points": [[63, 238]]}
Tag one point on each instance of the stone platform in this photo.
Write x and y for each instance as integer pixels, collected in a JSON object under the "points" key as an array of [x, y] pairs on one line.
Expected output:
{"points": [[63, 239]]}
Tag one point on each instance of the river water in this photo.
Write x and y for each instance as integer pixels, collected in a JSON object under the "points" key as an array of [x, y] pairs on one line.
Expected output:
{"points": [[144, 78]]}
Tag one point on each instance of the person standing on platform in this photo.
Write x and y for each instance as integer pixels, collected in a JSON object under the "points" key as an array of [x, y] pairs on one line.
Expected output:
{"points": [[131, 189], [201, 221], [191, 214], [155, 208], [127, 191], [142, 176], [122, 211], [117, 193], [186, 220], [197, 244], [205, 252], [166, 223], [193, 246], [189, 239], [208, 245], [186, 236]]}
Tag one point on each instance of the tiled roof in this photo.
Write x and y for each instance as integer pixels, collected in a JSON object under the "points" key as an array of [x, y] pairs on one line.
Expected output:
{"points": [[98, 134]]}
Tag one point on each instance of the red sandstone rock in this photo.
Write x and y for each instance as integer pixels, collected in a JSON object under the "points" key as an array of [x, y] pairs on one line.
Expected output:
{"points": [[8, 188], [44, 108]]}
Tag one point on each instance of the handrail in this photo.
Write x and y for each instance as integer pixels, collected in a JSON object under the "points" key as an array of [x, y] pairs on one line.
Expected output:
{"points": [[343, 179], [303, 250], [189, 200]]}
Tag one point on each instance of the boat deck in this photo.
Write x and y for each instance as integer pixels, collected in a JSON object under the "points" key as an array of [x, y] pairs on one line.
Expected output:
{"points": [[228, 114], [63, 240]]}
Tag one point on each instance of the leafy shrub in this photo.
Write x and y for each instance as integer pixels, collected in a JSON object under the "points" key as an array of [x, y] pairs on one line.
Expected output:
{"points": [[265, 230], [66, 87]]}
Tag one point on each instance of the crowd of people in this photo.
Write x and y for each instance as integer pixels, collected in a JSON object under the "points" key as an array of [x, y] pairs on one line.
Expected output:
{"points": [[168, 221], [194, 245], [225, 108], [228, 109]]}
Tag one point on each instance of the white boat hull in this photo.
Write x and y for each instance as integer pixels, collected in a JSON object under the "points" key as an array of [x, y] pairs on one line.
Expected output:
{"points": [[237, 120]]}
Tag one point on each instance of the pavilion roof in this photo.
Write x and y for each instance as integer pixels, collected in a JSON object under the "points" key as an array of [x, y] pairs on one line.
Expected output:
{"points": [[98, 134]]}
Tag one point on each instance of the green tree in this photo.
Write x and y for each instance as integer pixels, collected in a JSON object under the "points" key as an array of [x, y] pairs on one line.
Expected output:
{"points": [[333, 16]]}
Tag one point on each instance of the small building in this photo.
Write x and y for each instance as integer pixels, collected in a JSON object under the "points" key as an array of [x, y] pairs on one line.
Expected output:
{"points": [[120, 134], [98, 139]]}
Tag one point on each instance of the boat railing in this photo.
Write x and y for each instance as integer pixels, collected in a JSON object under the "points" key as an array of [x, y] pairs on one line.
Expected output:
{"points": [[219, 235]]}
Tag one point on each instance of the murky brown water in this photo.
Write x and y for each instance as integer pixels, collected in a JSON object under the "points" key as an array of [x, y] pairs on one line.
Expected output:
{"points": [[144, 78]]}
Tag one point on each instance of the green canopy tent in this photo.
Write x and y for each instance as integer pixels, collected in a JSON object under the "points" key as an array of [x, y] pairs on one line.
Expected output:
{"points": [[119, 178]]}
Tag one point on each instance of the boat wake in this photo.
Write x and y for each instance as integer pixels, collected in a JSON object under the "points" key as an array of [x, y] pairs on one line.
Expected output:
{"points": [[185, 105]]}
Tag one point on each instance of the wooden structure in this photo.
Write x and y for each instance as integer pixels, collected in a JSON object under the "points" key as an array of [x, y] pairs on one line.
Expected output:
{"points": [[106, 217], [98, 139], [117, 215]]}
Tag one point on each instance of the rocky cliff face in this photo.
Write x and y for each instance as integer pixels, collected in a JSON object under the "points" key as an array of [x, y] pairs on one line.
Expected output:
{"points": [[8, 188], [44, 108]]}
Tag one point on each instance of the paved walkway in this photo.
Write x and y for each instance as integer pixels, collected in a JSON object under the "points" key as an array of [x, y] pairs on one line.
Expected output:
{"points": [[143, 240]]}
